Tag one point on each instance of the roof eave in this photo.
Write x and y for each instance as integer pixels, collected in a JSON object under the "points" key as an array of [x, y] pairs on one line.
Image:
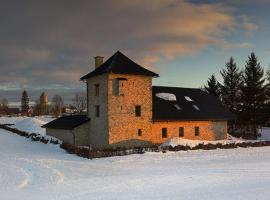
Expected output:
{"points": [[199, 119]]}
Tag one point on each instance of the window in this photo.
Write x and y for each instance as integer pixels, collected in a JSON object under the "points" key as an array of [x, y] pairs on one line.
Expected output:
{"points": [[116, 87], [97, 111], [197, 131], [181, 131], [164, 132], [138, 111], [139, 132], [96, 89]]}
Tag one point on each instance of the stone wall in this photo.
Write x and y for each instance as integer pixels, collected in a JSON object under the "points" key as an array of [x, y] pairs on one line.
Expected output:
{"points": [[208, 130], [79, 136], [123, 124], [82, 133], [61, 134], [98, 135]]}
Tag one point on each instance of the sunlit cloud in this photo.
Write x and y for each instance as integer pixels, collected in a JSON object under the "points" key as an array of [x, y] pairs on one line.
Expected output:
{"points": [[58, 44]]}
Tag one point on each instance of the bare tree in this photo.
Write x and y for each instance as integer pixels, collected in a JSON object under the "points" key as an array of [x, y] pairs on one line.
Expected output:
{"points": [[80, 101], [37, 108], [4, 103], [57, 105]]}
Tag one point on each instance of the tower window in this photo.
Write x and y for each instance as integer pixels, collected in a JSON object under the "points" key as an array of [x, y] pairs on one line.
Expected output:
{"points": [[197, 131], [138, 111], [96, 89], [164, 132], [139, 132], [181, 131], [116, 87], [97, 111]]}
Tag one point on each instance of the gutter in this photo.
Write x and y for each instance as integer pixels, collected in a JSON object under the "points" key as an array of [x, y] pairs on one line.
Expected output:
{"points": [[73, 134]]}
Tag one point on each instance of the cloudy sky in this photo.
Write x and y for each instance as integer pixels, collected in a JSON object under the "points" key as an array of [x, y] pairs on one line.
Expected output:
{"points": [[48, 45]]}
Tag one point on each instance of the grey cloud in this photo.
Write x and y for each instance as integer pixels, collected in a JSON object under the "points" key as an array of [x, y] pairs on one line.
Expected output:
{"points": [[44, 43]]}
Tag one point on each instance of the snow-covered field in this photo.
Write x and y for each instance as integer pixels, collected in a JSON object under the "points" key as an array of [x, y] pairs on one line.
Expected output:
{"points": [[28, 124], [30, 170]]}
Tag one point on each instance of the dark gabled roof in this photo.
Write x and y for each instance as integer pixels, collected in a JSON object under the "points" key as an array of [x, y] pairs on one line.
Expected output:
{"points": [[193, 104], [120, 64], [67, 122]]}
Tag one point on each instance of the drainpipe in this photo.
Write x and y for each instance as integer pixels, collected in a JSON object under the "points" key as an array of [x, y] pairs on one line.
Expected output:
{"points": [[73, 134]]}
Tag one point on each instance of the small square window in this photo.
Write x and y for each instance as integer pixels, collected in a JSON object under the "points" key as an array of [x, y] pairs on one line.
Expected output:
{"points": [[97, 111], [197, 131], [96, 89], [181, 131], [139, 132], [164, 132], [138, 111]]}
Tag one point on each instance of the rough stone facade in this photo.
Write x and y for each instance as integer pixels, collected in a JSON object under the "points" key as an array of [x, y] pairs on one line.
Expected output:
{"points": [[208, 130], [78, 136], [117, 124], [99, 125], [124, 125]]}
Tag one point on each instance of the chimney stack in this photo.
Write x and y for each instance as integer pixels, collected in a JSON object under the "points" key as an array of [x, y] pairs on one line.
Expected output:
{"points": [[98, 61]]}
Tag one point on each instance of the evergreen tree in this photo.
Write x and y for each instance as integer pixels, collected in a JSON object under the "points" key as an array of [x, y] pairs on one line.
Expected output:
{"points": [[253, 94], [230, 89], [212, 86], [24, 102]]}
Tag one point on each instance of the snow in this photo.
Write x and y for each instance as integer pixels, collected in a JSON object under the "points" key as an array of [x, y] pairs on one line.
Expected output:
{"points": [[188, 98], [28, 124], [177, 107], [265, 133], [31, 125], [192, 143], [196, 107], [166, 96], [35, 171]]}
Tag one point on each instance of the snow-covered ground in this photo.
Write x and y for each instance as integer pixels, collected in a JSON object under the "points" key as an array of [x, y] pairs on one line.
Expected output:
{"points": [[30, 170], [28, 124], [192, 143], [264, 133]]}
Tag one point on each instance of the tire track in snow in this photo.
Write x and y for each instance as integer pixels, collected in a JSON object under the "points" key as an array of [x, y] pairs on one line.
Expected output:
{"points": [[54, 176]]}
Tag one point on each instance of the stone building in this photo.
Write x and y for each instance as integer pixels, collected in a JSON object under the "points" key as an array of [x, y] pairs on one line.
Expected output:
{"points": [[124, 109], [43, 101]]}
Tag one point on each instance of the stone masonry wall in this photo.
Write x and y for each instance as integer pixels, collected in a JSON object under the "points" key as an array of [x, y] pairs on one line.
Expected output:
{"points": [[98, 136], [208, 130], [123, 124], [82, 133], [61, 134]]}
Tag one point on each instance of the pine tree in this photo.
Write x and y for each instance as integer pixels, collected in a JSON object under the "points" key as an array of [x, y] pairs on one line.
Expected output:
{"points": [[230, 89], [253, 94], [212, 86], [24, 102]]}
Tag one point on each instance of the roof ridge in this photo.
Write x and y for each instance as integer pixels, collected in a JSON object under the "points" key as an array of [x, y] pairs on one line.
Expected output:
{"points": [[120, 64], [161, 86]]}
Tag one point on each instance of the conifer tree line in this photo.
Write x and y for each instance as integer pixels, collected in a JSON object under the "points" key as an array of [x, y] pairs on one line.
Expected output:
{"points": [[245, 93]]}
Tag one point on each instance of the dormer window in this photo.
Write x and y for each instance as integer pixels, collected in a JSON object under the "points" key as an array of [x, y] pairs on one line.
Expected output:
{"points": [[96, 89]]}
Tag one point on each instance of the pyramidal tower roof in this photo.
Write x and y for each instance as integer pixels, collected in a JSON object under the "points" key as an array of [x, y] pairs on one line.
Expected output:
{"points": [[120, 64]]}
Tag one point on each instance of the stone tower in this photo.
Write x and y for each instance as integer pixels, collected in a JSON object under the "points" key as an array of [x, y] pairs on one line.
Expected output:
{"points": [[43, 103], [119, 94]]}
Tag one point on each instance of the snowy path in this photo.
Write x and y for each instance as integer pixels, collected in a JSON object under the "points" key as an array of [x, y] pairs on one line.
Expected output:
{"points": [[30, 170]]}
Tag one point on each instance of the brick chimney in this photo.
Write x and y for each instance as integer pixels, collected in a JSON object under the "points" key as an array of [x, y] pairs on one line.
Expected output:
{"points": [[98, 61]]}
